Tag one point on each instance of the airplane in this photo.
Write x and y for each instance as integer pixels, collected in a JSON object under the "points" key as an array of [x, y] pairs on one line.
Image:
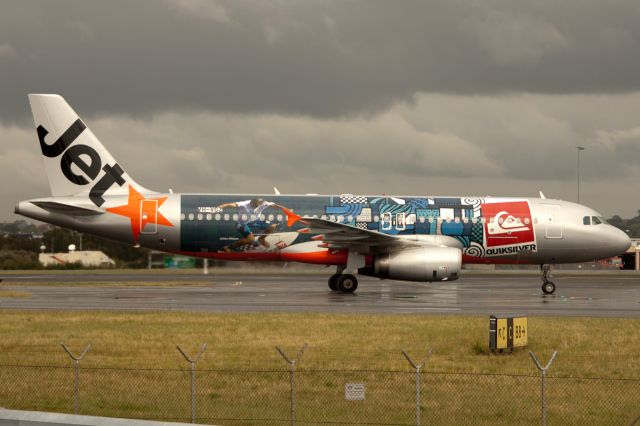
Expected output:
{"points": [[410, 238]]}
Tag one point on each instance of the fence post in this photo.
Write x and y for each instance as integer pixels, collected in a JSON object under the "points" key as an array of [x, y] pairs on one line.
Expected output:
{"points": [[418, 367], [76, 375], [292, 368], [193, 362], [543, 372]]}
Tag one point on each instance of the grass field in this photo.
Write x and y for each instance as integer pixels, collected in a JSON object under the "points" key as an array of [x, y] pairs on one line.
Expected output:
{"points": [[247, 378], [14, 293], [608, 347]]}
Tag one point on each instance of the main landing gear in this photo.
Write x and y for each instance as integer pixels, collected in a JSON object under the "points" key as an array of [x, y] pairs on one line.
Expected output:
{"points": [[547, 286], [345, 283]]}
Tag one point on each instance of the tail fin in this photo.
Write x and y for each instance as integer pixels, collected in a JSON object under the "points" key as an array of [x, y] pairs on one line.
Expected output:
{"points": [[74, 159]]}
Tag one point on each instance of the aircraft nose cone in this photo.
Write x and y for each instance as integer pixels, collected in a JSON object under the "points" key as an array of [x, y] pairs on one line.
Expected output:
{"points": [[619, 241]]}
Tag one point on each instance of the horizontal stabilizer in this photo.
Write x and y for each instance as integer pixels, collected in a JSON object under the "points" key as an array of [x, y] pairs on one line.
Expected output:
{"points": [[67, 209]]}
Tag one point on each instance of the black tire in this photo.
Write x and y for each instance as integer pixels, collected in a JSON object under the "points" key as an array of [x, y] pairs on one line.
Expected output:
{"points": [[347, 283], [548, 287], [333, 282]]}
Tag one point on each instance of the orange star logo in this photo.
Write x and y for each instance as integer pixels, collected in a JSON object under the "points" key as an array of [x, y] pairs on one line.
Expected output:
{"points": [[141, 213]]}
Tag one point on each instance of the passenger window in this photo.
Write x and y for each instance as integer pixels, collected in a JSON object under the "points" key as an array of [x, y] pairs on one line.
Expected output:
{"points": [[182, 216], [190, 216], [244, 216], [279, 217], [526, 221], [474, 220], [586, 220], [226, 216], [421, 219], [270, 218], [323, 217], [218, 216], [595, 220], [376, 218], [208, 216], [235, 216]]}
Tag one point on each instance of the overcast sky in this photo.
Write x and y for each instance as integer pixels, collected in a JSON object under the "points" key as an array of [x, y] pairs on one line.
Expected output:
{"points": [[428, 97]]}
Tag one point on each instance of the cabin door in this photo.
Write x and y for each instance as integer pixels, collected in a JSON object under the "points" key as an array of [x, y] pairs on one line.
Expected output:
{"points": [[553, 221]]}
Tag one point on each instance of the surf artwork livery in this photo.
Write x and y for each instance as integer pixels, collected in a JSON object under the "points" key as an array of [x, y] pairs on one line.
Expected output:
{"points": [[413, 238]]}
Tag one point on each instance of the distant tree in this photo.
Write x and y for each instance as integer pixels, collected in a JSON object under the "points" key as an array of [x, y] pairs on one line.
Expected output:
{"points": [[15, 237], [616, 220], [630, 226], [18, 259], [125, 255]]}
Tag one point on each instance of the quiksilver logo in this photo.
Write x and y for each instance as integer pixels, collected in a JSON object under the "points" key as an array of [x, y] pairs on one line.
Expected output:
{"points": [[76, 154]]}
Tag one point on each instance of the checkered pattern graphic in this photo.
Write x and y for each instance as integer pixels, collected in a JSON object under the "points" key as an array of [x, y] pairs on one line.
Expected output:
{"points": [[476, 232], [352, 199], [422, 213], [361, 225]]}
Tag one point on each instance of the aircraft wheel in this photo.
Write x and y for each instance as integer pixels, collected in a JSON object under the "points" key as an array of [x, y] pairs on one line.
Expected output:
{"points": [[347, 283], [548, 287], [333, 282]]}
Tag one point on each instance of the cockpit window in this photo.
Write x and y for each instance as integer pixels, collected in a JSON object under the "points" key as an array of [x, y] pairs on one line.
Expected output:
{"points": [[586, 220], [596, 220]]}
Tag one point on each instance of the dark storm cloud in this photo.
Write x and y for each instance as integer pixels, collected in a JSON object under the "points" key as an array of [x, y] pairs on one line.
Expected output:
{"points": [[321, 58]]}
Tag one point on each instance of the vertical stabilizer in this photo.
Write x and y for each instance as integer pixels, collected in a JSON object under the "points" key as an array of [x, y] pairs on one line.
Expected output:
{"points": [[75, 161]]}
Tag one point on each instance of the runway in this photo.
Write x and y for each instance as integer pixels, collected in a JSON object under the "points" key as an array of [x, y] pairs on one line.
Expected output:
{"points": [[583, 295]]}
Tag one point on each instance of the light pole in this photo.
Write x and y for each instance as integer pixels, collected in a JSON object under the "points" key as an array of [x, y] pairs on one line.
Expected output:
{"points": [[579, 148]]}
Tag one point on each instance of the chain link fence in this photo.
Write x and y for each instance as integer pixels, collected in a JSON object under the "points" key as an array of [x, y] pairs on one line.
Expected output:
{"points": [[296, 395]]}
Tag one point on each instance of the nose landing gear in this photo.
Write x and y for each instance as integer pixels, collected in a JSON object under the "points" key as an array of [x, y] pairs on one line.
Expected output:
{"points": [[548, 287], [345, 283]]}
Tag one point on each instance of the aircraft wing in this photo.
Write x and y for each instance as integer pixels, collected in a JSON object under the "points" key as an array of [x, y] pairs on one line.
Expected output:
{"points": [[343, 236]]}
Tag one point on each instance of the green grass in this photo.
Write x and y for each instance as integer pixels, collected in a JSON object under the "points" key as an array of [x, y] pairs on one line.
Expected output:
{"points": [[342, 348], [14, 293]]}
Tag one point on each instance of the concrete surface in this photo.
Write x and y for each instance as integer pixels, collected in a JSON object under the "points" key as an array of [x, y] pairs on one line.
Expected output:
{"points": [[603, 294]]}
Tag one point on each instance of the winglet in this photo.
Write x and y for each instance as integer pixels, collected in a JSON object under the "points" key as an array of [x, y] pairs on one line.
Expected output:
{"points": [[542, 195]]}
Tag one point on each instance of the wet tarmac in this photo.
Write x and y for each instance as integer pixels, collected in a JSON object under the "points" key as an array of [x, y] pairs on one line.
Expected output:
{"points": [[616, 295]]}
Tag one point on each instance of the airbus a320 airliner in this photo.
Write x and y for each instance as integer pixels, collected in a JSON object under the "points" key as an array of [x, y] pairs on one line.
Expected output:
{"points": [[390, 237]]}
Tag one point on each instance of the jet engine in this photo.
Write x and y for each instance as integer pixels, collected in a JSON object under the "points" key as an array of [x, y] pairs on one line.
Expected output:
{"points": [[421, 264]]}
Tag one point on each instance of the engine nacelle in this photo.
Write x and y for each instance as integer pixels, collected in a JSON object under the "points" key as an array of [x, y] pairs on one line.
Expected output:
{"points": [[421, 264]]}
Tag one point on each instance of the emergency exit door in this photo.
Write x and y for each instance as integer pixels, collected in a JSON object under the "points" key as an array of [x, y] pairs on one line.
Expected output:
{"points": [[148, 216]]}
